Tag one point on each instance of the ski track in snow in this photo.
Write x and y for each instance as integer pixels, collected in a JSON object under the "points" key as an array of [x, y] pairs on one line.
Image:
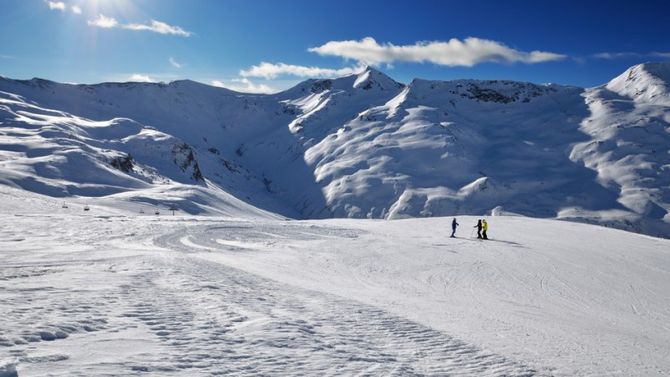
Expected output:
{"points": [[593, 307], [85, 296]]}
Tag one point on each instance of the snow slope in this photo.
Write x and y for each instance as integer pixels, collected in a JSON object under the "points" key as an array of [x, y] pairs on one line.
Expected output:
{"points": [[629, 145], [64, 155], [362, 146], [109, 294]]}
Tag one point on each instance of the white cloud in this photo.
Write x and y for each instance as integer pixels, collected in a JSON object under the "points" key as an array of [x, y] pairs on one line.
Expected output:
{"points": [[271, 71], [104, 22], [154, 26], [244, 85], [138, 77], [56, 5], [159, 27], [454, 52], [75, 9], [661, 54], [175, 63]]}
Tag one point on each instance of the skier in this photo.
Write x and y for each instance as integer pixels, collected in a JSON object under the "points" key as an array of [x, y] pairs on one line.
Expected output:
{"points": [[454, 224], [479, 229], [485, 227]]}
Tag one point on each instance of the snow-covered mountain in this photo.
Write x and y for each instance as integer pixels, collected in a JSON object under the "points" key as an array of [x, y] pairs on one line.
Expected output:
{"points": [[357, 146]]}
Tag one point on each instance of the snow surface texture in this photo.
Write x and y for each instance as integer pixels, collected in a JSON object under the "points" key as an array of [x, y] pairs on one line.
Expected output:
{"points": [[361, 146], [99, 293]]}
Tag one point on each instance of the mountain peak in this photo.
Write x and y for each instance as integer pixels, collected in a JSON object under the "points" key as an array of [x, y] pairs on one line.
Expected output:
{"points": [[366, 78], [654, 70], [658, 69], [370, 69], [647, 82], [370, 77]]}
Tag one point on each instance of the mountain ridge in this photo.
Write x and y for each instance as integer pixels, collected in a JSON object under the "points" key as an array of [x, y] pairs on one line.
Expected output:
{"points": [[364, 145], [366, 69]]}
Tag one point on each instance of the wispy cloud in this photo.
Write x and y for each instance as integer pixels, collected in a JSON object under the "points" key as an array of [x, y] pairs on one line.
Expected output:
{"points": [[138, 77], [62, 7], [630, 54], [104, 22], [270, 71], [175, 63], [454, 52], [617, 55], [56, 5], [159, 27], [153, 26], [244, 85]]}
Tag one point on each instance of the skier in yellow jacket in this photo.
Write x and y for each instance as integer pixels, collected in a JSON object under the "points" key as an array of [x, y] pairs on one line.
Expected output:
{"points": [[485, 227]]}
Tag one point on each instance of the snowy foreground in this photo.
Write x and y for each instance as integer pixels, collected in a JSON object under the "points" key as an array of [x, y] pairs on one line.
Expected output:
{"points": [[85, 293]]}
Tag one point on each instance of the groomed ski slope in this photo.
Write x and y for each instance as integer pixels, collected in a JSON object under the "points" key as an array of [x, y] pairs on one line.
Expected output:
{"points": [[99, 293]]}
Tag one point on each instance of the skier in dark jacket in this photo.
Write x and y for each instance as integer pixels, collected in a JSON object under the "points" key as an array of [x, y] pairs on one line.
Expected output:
{"points": [[454, 224], [479, 229]]}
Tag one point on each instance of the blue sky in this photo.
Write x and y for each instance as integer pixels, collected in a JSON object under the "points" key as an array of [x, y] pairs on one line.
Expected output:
{"points": [[270, 45]]}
